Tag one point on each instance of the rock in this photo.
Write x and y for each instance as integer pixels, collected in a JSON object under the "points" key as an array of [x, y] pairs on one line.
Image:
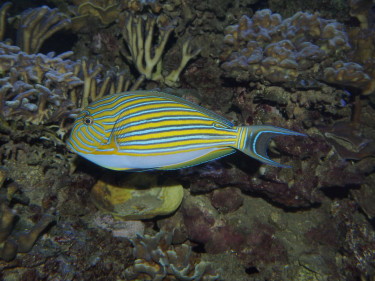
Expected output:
{"points": [[227, 199], [118, 227], [137, 196], [175, 225]]}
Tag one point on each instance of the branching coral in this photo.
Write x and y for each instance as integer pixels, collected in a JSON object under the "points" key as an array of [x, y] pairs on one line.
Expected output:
{"points": [[47, 88], [35, 87], [107, 11], [157, 258], [89, 75], [95, 84], [3, 10], [37, 25], [138, 34], [145, 54], [21, 242], [268, 48]]}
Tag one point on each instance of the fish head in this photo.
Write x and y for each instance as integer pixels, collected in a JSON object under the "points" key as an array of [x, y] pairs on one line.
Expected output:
{"points": [[90, 134]]}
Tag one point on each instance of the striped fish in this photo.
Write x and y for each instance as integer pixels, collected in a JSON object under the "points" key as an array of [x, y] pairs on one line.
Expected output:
{"points": [[143, 130]]}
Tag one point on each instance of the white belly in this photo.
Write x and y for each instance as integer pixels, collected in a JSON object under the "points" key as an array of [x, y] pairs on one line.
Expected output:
{"points": [[123, 162]]}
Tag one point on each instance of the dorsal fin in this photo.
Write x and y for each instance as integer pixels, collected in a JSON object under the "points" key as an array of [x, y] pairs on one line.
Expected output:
{"points": [[203, 110]]}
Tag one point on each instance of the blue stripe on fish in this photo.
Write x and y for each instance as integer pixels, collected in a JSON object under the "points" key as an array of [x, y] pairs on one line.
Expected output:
{"points": [[156, 120], [163, 129], [171, 139], [176, 148]]}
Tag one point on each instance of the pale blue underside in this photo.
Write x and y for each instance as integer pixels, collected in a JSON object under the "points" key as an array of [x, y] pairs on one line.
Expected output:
{"points": [[122, 162]]}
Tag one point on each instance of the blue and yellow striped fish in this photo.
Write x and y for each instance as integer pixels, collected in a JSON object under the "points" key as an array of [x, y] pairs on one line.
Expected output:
{"points": [[143, 130]]}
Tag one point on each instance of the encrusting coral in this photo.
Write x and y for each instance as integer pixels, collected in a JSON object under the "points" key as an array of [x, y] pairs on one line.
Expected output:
{"points": [[106, 14], [157, 258], [299, 48], [349, 74], [21, 242], [146, 54], [106, 11]]}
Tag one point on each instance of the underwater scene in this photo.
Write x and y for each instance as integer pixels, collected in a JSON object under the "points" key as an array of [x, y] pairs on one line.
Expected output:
{"points": [[187, 140]]}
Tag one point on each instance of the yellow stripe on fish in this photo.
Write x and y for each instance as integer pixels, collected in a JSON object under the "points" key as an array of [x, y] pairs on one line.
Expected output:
{"points": [[142, 130]]}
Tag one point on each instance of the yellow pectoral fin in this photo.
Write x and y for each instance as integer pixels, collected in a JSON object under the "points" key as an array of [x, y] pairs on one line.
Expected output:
{"points": [[109, 145]]}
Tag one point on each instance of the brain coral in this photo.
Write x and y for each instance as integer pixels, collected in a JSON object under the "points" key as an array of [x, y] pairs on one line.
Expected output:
{"points": [[268, 48]]}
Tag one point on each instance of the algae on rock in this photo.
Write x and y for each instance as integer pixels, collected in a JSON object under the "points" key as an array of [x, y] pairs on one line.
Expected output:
{"points": [[137, 196]]}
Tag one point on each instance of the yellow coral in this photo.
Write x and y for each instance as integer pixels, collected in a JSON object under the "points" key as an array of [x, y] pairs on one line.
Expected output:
{"points": [[146, 54], [106, 15], [37, 25], [349, 74]]}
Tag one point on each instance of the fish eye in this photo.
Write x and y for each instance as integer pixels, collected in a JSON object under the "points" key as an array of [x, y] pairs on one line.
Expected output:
{"points": [[88, 120]]}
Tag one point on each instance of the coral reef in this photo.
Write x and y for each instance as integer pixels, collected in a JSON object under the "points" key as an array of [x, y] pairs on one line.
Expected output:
{"points": [[106, 12], [294, 50], [218, 234], [338, 10], [348, 141], [205, 226], [157, 259], [362, 10], [349, 74], [37, 25], [23, 92], [20, 242], [139, 5], [345, 229], [296, 69], [146, 54], [75, 247], [3, 10], [49, 89], [226, 200], [299, 187], [119, 227]]}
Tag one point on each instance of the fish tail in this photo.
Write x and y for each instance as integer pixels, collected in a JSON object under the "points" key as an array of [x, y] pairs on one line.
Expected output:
{"points": [[253, 141]]}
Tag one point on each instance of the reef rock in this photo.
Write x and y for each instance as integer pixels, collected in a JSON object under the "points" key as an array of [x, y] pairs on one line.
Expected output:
{"points": [[137, 196]]}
